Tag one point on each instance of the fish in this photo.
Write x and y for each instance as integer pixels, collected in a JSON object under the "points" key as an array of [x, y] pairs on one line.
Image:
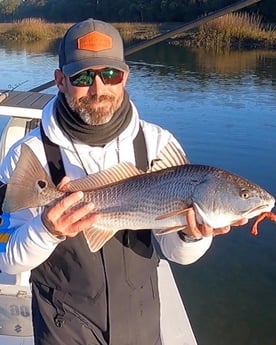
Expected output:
{"points": [[128, 198]]}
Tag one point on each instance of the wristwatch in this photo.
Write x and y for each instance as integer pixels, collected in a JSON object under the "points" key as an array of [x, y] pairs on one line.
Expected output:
{"points": [[188, 239]]}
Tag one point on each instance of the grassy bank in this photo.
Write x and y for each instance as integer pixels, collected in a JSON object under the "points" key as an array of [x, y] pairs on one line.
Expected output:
{"points": [[232, 30], [33, 29], [239, 30]]}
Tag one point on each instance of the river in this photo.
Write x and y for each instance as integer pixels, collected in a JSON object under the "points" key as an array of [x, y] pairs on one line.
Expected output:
{"points": [[222, 108]]}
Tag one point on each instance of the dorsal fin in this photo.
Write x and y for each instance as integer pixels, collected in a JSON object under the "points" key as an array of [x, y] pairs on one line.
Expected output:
{"points": [[170, 156], [102, 178]]}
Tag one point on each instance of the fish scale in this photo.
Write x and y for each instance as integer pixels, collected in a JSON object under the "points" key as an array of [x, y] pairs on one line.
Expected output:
{"points": [[119, 203]]}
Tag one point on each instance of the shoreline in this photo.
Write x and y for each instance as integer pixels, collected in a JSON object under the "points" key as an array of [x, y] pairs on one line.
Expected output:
{"points": [[36, 30]]}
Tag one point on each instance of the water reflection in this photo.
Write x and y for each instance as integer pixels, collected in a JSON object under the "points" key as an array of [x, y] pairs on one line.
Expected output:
{"points": [[25, 66], [35, 47], [233, 64]]}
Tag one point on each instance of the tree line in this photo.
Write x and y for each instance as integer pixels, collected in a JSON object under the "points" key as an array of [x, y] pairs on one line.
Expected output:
{"points": [[123, 10]]}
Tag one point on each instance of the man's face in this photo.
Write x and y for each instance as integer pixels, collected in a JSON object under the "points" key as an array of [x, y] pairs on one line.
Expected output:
{"points": [[96, 103]]}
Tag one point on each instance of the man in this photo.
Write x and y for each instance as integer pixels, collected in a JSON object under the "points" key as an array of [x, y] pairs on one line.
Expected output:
{"points": [[110, 296]]}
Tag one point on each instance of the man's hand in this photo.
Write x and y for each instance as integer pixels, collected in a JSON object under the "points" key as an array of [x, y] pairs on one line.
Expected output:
{"points": [[203, 230], [61, 220]]}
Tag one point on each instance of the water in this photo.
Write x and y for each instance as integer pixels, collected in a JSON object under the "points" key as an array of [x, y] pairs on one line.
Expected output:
{"points": [[222, 108]]}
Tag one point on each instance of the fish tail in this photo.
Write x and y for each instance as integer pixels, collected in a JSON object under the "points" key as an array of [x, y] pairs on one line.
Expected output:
{"points": [[27, 183]]}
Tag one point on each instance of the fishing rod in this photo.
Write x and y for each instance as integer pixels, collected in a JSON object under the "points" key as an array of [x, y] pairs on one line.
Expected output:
{"points": [[174, 32], [5, 94]]}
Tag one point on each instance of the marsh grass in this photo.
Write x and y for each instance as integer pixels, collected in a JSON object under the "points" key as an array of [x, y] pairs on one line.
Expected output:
{"points": [[35, 29], [32, 29], [234, 30], [138, 31]]}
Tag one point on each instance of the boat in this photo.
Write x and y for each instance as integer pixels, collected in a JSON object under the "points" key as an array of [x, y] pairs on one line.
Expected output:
{"points": [[22, 111]]}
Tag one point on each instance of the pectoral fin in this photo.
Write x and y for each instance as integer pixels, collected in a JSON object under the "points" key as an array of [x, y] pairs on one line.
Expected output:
{"points": [[96, 238], [172, 229], [172, 214]]}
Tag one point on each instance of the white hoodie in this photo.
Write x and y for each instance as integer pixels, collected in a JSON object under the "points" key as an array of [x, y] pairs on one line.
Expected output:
{"points": [[29, 242]]}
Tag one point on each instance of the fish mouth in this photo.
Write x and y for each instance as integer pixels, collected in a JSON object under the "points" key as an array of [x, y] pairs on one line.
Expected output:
{"points": [[257, 210]]}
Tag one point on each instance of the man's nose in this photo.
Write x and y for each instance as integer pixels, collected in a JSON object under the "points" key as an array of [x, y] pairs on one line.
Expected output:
{"points": [[98, 87]]}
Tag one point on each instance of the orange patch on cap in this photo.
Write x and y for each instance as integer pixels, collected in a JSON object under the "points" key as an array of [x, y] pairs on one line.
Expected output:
{"points": [[95, 41]]}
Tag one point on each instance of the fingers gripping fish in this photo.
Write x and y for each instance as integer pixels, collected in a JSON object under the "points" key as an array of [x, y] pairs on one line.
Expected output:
{"points": [[127, 198]]}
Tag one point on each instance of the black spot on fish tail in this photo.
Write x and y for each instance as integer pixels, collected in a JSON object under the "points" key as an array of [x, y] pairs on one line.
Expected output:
{"points": [[42, 184]]}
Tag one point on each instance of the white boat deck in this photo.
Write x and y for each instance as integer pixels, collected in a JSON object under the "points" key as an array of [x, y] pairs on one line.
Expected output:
{"points": [[24, 110], [15, 313], [23, 103]]}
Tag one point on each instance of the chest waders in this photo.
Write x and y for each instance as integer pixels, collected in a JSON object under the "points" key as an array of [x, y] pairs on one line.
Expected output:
{"points": [[109, 297]]}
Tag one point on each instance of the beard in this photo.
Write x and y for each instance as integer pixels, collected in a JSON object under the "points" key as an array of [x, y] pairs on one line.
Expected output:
{"points": [[91, 111]]}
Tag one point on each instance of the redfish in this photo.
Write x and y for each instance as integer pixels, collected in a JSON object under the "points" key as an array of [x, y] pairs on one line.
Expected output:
{"points": [[128, 198]]}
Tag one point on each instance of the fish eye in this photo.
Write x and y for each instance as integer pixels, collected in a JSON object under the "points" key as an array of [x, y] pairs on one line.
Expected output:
{"points": [[244, 194]]}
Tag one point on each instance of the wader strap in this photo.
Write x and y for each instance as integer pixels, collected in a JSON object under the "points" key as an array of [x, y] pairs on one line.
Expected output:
{"points": [[53, 157], [140, 150], [141, 162]]}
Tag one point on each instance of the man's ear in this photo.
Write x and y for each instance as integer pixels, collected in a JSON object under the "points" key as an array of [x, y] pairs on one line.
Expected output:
{"points": [[60, 80], [125, 78]]}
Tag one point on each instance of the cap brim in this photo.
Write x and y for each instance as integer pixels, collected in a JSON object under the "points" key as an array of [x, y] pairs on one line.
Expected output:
{"points": [[79, 66]]}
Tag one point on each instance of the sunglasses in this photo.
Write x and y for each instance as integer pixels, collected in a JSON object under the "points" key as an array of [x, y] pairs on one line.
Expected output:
{"points": [[109, 76]]}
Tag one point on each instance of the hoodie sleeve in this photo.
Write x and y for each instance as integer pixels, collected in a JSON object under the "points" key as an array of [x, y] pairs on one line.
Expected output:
{"points": [[24, 246], [185, 253], [24, 242]]}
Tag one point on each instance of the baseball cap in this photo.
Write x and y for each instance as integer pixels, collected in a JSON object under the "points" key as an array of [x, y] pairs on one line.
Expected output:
{"points": [[91, 43]]}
